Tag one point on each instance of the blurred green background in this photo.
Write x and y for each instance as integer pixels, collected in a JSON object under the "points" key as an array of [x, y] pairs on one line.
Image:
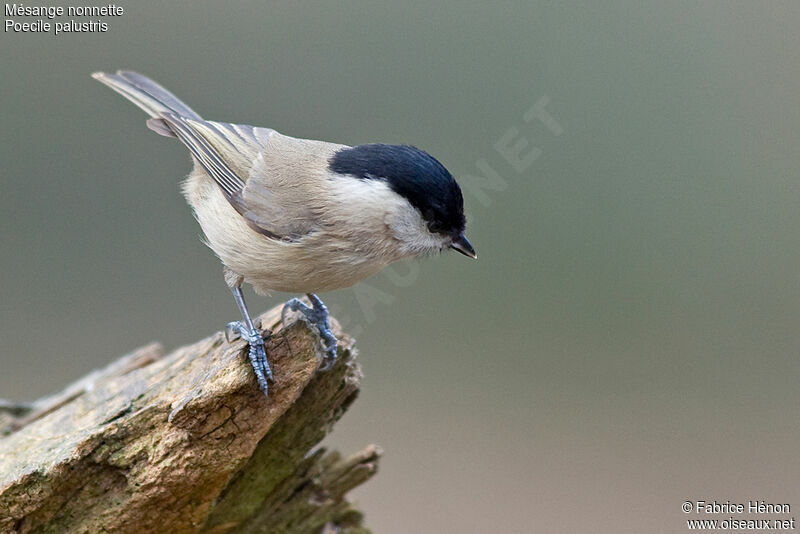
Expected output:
{"points": [[628, 339]]}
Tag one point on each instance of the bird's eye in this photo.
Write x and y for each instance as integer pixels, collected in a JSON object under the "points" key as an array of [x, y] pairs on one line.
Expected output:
{"points": [[435, 227]]}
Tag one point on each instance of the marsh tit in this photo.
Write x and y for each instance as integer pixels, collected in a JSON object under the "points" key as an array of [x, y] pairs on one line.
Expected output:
{"points": [[296, 215]]}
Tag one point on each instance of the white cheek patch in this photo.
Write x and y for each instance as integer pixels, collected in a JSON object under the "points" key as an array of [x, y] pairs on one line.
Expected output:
{"points": [[410, 228], [373, 208]]}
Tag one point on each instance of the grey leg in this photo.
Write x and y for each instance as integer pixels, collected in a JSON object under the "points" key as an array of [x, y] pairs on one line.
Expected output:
{"points": [[248, 331], [317, 316]]}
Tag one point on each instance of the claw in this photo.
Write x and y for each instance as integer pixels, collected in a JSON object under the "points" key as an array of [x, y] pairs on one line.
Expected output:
{"points": [[249, 331], [293, 304], [233, 331], [316, 316], [257, 353]]}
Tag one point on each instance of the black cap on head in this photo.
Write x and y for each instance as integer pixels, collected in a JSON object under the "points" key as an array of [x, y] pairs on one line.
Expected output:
{"points": [[413, 174]]}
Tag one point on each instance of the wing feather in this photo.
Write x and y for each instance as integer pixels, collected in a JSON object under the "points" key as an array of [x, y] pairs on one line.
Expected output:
{"points": [[269, 178], [274, 181], [206, 155]]}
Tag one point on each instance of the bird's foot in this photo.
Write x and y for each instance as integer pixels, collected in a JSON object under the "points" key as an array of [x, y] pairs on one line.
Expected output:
{"points": [[258, 352], [317, 316]]}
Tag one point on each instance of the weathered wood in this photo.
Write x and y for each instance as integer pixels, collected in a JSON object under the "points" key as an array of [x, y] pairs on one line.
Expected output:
{"points": [[186, 443]]}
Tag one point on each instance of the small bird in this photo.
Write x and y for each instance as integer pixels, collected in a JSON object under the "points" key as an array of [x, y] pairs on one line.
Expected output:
{"points": [[297, 215]]}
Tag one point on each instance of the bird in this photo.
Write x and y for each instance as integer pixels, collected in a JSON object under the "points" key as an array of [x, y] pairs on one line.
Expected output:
{"points": [[299, 215]]}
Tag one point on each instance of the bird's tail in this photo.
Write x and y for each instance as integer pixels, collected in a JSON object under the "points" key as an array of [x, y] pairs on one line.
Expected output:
{"points": [[146, 94]]}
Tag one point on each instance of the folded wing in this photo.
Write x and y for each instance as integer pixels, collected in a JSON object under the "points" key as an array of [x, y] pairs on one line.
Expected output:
{"points": [[269, 178]]}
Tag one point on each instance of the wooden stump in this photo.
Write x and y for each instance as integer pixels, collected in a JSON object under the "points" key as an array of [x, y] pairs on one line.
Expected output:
{"points": [[186, 443]]}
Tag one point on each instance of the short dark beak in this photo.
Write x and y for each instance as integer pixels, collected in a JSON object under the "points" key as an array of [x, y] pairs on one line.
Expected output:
{"points": [[462, 244]]}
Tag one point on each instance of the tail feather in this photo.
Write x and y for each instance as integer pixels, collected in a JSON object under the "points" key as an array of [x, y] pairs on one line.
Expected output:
{"points": [[146, 94]]}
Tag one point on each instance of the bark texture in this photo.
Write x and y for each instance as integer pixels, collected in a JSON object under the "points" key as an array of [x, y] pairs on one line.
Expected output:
{"points": [[186, 443]]}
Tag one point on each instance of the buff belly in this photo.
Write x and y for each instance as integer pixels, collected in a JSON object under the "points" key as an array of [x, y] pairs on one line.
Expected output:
{"points": [[317, 263]]}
